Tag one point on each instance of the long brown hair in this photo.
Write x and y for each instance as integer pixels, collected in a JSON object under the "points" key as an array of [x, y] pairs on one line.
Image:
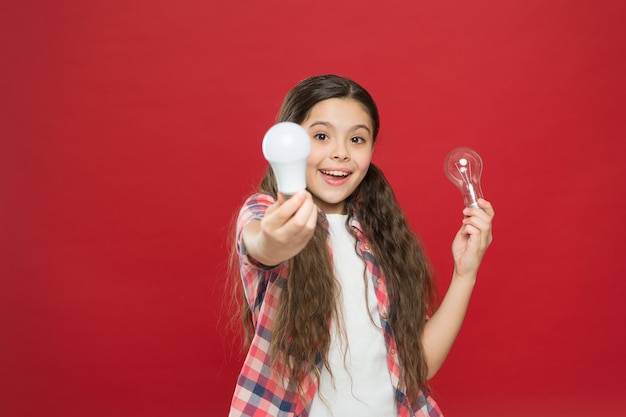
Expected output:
{"points": [[301, 334]]}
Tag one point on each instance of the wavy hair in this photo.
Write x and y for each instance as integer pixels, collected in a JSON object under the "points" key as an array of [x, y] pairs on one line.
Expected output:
{"points": [[301, 334]]}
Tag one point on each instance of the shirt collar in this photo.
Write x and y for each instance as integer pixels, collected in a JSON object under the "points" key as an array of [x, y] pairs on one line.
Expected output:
{"points": [[353, 221]]}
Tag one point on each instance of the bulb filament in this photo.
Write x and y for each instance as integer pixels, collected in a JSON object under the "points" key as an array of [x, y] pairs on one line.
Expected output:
{"points": [[464, 169]]}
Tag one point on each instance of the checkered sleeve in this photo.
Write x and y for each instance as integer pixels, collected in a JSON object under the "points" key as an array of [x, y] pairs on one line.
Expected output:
{"points": [[260, 392], [253, 273], [253, 209]]}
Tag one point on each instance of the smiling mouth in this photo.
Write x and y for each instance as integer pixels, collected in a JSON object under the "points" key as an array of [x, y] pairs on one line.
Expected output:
{"points": [[337, 174]]}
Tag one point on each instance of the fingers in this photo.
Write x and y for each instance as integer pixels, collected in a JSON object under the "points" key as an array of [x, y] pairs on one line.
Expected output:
{"points": [[304, 219], [285, 209], [487, 207], [478, 222], [473, 238], [286, 228], [294, 216]]}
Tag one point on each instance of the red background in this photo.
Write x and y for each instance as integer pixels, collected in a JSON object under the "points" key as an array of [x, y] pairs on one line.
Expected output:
{"points": [[131, 132]]}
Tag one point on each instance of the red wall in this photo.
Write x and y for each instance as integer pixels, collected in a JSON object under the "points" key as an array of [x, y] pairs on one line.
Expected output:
{"points": [[130, 133]]}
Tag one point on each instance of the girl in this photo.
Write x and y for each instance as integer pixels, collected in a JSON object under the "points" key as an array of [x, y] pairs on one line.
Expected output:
{"points": [[340, 305]]}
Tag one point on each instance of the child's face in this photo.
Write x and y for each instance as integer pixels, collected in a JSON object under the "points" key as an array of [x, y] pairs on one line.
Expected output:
{"points": [[341, 150]]}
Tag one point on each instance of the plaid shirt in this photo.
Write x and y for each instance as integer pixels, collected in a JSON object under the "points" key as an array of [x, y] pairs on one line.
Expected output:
{"points": [[258, 393]]}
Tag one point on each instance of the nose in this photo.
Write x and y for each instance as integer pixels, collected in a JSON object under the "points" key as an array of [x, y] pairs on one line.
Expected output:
{"points": [[340, 152]]}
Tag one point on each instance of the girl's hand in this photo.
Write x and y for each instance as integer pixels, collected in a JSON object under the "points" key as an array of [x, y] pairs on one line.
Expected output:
{"points": [[472, 239], [285, 230]]}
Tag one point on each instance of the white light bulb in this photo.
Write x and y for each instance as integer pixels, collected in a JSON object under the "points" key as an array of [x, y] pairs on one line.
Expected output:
{"points": [[463, 167], [286, 146]]}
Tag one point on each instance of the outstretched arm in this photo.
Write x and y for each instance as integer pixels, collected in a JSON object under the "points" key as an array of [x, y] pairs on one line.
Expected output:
{"points": [[468, 249]]}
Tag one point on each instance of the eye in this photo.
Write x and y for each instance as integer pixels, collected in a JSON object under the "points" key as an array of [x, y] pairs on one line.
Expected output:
{"points": [[357, 139], [321, 136]]}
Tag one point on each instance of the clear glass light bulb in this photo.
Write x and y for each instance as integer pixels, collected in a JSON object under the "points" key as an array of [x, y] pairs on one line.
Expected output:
{"points": [[286, 146], [463, 167]]}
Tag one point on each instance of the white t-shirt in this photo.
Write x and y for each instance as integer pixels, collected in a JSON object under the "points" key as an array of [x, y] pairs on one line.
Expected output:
{"points": [[360, 384]]}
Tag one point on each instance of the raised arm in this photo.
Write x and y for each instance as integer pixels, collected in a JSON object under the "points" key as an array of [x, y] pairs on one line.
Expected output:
{"points": [[468, 249]]}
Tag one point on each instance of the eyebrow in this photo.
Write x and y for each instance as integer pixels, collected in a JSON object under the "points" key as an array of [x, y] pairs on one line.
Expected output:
{"points": [[330, 125]]}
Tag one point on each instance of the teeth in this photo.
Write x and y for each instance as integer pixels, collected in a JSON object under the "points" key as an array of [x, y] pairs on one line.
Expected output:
{"points": [[335, 173]]}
